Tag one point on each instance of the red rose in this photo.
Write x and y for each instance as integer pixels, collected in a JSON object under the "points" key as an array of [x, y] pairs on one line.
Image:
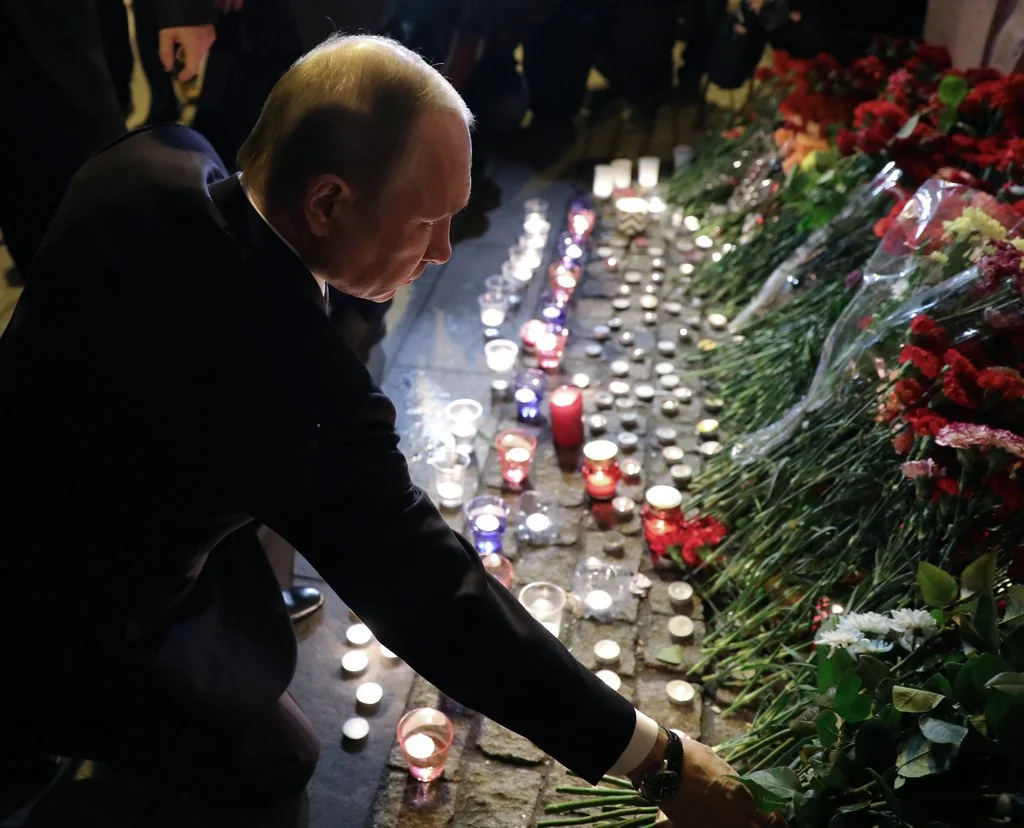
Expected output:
{"points": [[924, 361], [1006, 382], [926, 422], [903, 442]]}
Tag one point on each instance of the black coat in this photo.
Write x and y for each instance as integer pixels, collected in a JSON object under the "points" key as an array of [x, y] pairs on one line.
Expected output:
{"points": [[170, 374]]}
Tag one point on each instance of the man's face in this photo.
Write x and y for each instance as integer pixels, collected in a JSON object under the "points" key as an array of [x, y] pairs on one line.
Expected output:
{"points": [[378, 250]]}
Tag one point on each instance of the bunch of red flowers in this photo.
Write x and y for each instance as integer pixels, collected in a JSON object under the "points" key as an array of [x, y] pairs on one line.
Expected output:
{"points": [[689, 542], [957, 406]]}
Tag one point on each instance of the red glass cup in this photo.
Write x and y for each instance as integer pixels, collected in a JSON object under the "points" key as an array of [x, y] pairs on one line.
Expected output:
{"points": [[425, 736], [601, 469], [567, 416], [550, 348], [662, 513], [515, 452]]}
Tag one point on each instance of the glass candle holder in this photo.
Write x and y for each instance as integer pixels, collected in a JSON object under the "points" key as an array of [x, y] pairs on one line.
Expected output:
{"points": [[515, 452], [567, 416], [486, 521], [425, 736], [601, 469], [493, 307], [551, 347], [581, 221], [631, 215], [530, 387], [604, 181], [535, 230], [522, 258], [519, 273], [530, 254], [535, 521], [545, 602], [552, 311], [529, 332], [622, 173], [463, 417], [570, 250], [501, 355], [505, 284], [449, 476], [563, 279], [662, 513], [535, 207], [647, 171]]}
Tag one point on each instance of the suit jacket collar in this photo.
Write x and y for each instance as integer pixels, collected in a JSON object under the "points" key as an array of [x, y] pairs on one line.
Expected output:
{"points": [[269, 251]]}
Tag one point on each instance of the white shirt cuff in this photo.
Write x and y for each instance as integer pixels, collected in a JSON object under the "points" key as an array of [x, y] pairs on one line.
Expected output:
{"points": [[645, 734]]}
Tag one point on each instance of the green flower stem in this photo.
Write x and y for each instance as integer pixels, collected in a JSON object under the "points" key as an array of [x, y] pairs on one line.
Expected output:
{"points": [[599, 801], [589, 819]]}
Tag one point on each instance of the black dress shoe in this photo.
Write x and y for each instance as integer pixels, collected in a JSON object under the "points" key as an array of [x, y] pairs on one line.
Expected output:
{"points": [[302, 601]]}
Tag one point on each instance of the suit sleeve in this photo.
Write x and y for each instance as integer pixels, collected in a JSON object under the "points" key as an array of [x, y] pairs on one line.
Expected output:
{"points": [[173, 13], [346, 502]]}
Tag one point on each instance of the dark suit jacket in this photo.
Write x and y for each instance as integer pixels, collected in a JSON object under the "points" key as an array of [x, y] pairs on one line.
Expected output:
{"points": [[159, 301]]}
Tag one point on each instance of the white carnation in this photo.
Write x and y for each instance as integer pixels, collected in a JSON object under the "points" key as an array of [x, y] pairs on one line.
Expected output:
{"points": [[915, 622], [846, 639]]}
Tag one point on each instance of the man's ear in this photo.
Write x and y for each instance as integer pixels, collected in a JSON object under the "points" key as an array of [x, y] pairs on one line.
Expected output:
{"points": [[327, 196]]}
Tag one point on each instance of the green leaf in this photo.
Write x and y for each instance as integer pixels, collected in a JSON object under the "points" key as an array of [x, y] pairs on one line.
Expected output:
{"points": [[946, 120], [1012, 684], [912, 700], [831, 668], [986, 622], [915, 760], [952, 90], [872, 670], [938, 683], [772, 789], [673, 654], [849, 702], [1014, 602], [908, 128], [828, 728], [938, 588], [941, 732], [888, 794], [980, 575]]}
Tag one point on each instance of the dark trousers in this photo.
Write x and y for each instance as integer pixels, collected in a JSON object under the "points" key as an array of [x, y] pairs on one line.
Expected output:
{"points": [[59, 106]]}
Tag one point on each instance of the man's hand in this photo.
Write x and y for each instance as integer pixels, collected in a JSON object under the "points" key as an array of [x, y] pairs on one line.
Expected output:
{"points": [[709, 797], [194, 42]]}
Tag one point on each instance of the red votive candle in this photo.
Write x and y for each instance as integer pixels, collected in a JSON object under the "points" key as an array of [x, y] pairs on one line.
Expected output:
{"points": [[515, 451], [529, 333], [550, 348], [564, 279], [662, 514], [567, 416], [601, 469]]}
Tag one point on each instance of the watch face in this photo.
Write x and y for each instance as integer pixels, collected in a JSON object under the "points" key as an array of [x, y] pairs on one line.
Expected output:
{"points": [[661, 786]]}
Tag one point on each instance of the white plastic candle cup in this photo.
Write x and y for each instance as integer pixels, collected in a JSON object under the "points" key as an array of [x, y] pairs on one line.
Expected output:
{"points": [[505, 283], [604, 181], [501, 355], [450, 476], [647, 171], [622, 171], [545, 602], [535, 207], [493, 307], [463, 416]]}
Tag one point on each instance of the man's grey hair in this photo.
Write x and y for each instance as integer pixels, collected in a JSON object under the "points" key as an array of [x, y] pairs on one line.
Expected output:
{"points": [[347, 108]]}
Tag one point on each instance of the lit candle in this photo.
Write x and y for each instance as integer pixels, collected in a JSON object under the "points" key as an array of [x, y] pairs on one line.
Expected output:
{"points": [[529, 332], [610, 678], [627, 441], [486, 517], [536, 225], [425, 737], [369, 694], [500, 568], [600, 469], [545, 602], [623, 507], [672, 455], [718, 321], [707, 429], [681, 475], [550, 348], [680, 594], [538, 522], [462, 416], [604, 181], [709, 448], [691, 223], [622, 172], [647, 171], [515, 451], [358, 635], [581, 380], [663, 513], [598, 600], [355, 729], [704, 242], [567, 416], [680, 692], [680, 628], [619, 368], [644, 392], [355, 662], [670, 408], [631, 215], [665, 435], [387, 654], [607, 651], [420, 746], [527, 405]]}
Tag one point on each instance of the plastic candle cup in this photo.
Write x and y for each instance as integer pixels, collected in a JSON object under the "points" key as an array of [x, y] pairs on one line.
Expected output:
{"points": [[463, 416], [535, 207], [493, 307], [604, 181], [486, 519], [501, 355], [551, 347], [553, 311], [680, 692], [425, 736], [535, 523], [601, 469], [570, 251], [662, 513], [529, 332], [506, 284], [515, 451], [622, 173], [545, 602], [647, 171], [610, 677], [567, 416], [529, 391], [530, 255], [517, 271], [563, 281], [449, 476]]}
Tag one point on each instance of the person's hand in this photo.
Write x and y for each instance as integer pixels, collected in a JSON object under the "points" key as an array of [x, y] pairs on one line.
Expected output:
{"points": [[194, 42], [228, 6], [709, 796]]}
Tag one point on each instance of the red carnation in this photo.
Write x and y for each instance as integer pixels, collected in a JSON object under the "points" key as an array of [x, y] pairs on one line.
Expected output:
{"points": [[1007, 490], [945, 485], [960, 381], [903, 442], [1006, 382], [926, 422], [929, 334], [925, 362], [909, 391]]}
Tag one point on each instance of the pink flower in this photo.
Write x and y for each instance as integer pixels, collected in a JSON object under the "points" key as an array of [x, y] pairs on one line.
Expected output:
{"points": [[922, 468], [966, 435]]}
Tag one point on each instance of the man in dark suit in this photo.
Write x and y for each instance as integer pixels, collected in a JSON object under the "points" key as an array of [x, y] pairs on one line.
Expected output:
{"points": [[164, 294]]}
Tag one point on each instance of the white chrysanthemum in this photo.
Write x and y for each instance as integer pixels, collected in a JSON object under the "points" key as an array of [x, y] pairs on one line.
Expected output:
{"points": [[871, 646], [838, 638], [913, 621], [866, 623]]}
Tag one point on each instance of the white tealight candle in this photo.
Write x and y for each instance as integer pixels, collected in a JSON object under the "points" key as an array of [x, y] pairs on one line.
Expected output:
{"points": [[581, 380], [686, 268], [420, 746], [387, 654], [448, 492], [492, 317], [607, 651], [680, 692], [680, 594], [718, 321], [691, 223], [598, 600], [369, 694], [538, 522], [356, 729], [704, 242], [610, 678], [619, 368], [358, 635], [355, 662], [680, 627], [517, 454], [487, 523]]}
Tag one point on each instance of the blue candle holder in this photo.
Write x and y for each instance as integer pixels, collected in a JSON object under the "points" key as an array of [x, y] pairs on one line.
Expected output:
{"points": [[553, 312], [527, 405], [486, 520]]}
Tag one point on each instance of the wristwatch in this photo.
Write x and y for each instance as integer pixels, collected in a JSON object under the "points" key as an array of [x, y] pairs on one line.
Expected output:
{"points": [[662, 781]]}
